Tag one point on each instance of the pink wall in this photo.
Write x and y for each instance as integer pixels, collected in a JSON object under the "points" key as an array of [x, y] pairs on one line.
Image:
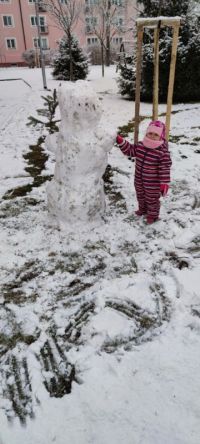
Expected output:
{"points": [[8, 55], [24, 40]]}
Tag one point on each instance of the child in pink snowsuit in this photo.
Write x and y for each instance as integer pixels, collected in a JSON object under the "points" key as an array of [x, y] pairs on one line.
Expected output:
{"points": [[152, 169]]}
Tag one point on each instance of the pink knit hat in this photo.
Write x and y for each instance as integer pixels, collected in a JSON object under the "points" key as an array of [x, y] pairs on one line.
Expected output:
{"points": [[157, 127]]}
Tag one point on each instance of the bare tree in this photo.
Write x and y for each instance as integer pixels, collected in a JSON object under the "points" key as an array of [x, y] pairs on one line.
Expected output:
{"points": [[66, 15], [104, 22]]}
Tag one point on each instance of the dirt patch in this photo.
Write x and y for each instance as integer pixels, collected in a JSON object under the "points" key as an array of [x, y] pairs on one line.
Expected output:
{"points": [[116, 199], [36, 159]]}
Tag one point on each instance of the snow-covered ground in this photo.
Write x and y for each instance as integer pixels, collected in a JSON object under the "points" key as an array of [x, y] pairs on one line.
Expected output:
{"points": [[99, 326]]}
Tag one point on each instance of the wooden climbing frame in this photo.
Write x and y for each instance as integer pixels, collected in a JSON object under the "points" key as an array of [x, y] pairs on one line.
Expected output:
{"points": [[155, 24]]}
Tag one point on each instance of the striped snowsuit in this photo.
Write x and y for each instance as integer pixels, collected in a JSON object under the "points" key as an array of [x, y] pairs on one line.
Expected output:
{"points": [[152, 168]]}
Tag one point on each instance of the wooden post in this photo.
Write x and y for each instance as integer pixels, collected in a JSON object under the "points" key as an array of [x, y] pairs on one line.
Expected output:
{"points": [[171, 77], [138, 81], [156, 74], [155, 23]]}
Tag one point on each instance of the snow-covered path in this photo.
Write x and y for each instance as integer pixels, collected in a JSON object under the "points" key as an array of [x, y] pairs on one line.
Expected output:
{"points": [[99, 326]]}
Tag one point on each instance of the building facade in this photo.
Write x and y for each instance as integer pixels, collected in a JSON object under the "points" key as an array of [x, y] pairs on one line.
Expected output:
{"points": [[19, 28]]}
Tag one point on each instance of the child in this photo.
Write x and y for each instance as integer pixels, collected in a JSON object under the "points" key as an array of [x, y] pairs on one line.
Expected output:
{"points": [[152, 170]]}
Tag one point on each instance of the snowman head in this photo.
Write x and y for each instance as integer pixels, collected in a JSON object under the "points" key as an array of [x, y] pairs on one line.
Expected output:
{"points": [[79, 106]]}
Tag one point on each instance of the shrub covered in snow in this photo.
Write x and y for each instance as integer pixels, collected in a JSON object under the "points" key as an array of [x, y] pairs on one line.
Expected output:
{"points": [[70, 63], [30, 57]]}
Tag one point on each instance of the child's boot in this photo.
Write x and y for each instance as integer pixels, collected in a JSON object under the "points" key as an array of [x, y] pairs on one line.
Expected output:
{"points": [[151, 220], [139, 213]]}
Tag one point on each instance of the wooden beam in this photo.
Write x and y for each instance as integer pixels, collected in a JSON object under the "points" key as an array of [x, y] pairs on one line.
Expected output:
{"points": [[163, 21], [171, 78], [155, 23], [138, 82], [156, 74]]}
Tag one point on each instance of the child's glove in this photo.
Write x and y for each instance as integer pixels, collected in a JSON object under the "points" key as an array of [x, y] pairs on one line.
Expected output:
{"points": [[119, 139], [164, 188]]}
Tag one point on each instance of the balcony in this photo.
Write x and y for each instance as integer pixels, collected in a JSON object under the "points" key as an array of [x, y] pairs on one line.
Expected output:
{"points": [[44, 29], [87, 9], [89, 29], [41, 8]]}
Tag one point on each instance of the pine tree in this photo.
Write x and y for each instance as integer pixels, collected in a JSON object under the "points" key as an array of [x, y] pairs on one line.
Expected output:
{"points": [[187, 76], [69, 49], [126, 80]]}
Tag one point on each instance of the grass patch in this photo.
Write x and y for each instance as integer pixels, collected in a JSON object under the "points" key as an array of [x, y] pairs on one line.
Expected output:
{"points": [[124, 130], [178, 262], [176, 139], [116, 199]]}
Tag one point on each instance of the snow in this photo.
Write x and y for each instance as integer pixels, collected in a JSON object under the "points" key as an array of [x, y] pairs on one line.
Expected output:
{"points": [[155, 20], [160, 17], [116, 300]]}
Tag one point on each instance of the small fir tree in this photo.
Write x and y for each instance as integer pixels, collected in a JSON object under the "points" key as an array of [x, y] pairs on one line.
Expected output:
{"points": [[70, 52], [48, 112], [126, 79]]}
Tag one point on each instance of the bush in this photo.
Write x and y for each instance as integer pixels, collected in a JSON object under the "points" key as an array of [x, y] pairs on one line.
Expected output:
{"points": [[29, 57]]}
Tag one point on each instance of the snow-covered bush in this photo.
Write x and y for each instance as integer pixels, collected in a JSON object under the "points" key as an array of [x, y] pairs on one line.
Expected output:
{"points": [[49, 56], [71, 62], [29, 57], [32, 56]]}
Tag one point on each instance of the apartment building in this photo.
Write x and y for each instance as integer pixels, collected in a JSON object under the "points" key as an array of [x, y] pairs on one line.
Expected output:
{"points": [[19, 27]]}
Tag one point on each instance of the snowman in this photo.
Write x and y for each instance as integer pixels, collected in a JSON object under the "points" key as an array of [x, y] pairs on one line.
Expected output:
{"points": [[76, 193]]}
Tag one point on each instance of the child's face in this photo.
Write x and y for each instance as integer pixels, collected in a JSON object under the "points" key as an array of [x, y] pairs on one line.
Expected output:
{"points": [[153, 136]]}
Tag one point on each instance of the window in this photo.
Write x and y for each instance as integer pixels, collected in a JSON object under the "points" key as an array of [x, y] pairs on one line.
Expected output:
{"points": [[8, 20], [118, 21], [41, 6], [44, 40], [91, 21], [92, 41], [11, 43], [63, 2], [91, 2], [45, 43], [117, 2], [4, 1], [34, 20], [117, 40]]}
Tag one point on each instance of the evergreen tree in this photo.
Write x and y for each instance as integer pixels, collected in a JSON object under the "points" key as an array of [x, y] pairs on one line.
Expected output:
{"points": [[126, 80], [70, 52], [187, 76]]}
